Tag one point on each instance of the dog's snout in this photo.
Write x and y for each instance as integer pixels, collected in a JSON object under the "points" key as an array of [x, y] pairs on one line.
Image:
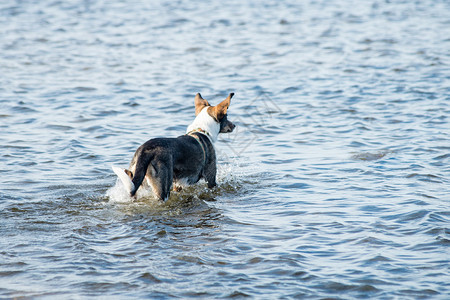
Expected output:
{"points": [[231, 127]]}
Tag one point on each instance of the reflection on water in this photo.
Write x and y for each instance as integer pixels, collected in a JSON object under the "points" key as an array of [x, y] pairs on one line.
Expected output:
{"points": [[334, 184]]}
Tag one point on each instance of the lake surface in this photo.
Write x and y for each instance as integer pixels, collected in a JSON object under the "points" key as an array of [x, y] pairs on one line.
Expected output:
{"points": [[335, 184]]}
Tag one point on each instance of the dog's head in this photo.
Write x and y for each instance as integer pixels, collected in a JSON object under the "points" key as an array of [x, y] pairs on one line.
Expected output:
{"points": [[218, 112]]}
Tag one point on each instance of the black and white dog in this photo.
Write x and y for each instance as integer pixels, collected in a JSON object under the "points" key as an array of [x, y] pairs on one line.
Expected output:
{"points": [[163, 163]]}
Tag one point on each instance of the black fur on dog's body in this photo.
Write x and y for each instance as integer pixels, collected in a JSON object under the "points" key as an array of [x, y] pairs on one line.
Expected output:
{"points": [[179, 160]]}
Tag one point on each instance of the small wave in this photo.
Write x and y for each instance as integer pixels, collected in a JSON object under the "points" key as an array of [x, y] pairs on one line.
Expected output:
{"points": [[59, 127], [84, 89], [425, 177], [368, 156]]}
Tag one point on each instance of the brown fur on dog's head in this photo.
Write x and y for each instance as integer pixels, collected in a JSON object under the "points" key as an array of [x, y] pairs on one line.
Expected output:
{"points": [[220, 110], [200, 103]]}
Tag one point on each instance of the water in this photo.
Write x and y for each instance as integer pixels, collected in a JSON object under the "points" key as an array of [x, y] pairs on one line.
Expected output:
{"points": [[335, 183]]}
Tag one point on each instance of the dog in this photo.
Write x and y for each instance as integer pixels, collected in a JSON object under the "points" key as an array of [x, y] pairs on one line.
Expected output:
{"points": [[166, 163]]}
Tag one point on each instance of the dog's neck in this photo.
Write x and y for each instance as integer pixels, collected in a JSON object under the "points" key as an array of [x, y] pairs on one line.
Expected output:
{"points": [[205, 124]]}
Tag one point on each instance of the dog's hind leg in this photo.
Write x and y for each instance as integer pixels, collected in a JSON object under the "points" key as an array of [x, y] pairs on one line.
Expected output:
{"points": [[160, 177], [209, 172], [140, 163]]}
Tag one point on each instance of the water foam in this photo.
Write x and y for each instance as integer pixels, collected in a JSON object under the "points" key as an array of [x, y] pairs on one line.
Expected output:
{"points": [[119, 194]]}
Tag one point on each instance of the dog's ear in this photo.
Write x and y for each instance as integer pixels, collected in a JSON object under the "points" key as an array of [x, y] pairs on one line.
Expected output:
{"points": [[220, 109], [200, 103]]}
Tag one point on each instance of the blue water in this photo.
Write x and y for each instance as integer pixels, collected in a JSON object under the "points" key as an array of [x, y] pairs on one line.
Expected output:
{"points": [[335, 184]]}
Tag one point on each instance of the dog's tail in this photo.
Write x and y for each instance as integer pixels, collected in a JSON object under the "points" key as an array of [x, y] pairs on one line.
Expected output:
{"points": [[125, 178], [142, 163], [131, 181]]}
